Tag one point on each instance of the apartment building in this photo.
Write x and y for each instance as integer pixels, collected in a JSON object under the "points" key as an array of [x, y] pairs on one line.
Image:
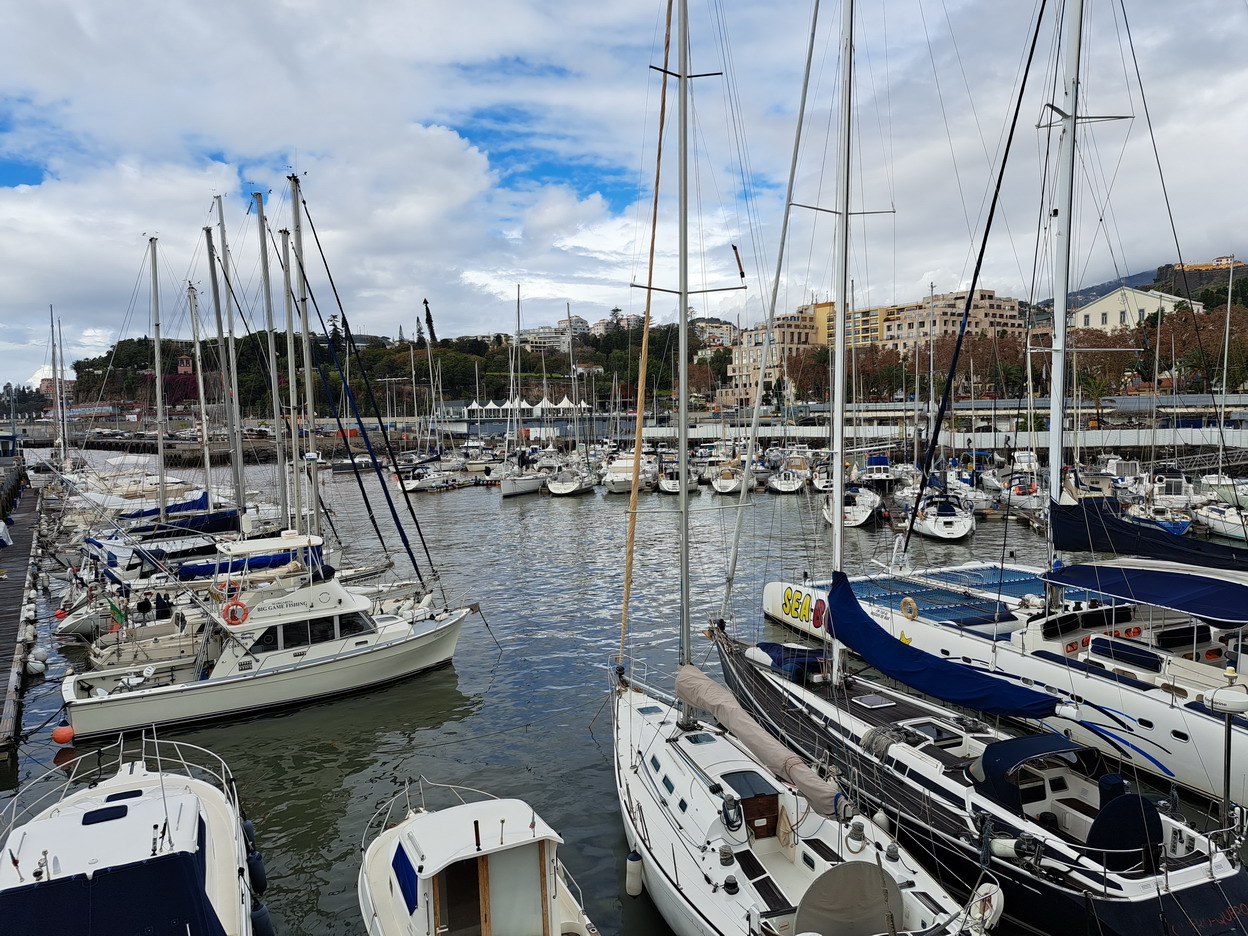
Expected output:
{"points": [[760, 351]]}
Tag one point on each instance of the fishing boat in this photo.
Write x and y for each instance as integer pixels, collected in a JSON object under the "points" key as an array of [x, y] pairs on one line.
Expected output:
{"points": [[484, 865], [296, 636], [139, 837]]}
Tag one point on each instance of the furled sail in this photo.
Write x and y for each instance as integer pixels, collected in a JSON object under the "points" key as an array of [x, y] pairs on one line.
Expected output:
{"points": [[699, 690], [952, 682], [1092, 525]]}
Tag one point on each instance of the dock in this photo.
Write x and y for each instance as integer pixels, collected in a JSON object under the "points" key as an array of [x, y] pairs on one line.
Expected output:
{"points": [[21, 504]]}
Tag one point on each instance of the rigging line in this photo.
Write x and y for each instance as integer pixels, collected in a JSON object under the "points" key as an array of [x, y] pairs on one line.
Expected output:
{"points": [[372, 399], [957, 177], [970, 293], [1165, 192]]}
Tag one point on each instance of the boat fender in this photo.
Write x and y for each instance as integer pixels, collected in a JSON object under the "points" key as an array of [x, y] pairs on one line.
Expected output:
{"points": [[987, 905], [249, 834], [256, 873], [261, 922], [909, 608], [632, 875]]}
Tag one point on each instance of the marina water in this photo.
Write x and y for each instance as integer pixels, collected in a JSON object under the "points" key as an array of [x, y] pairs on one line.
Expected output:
{"points": [[522, 711]]}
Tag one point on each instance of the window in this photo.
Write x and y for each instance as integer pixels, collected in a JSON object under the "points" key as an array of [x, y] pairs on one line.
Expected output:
{"points": [[1104, 318], [747, 783], [1087, 321], [322, 629], [266, 642], [1122, 317], [295, 634], [354, 623]]}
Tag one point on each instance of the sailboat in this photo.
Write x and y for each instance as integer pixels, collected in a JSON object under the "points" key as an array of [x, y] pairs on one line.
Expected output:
{"points": [[1145, 642], [730, 833], [515, 477]]}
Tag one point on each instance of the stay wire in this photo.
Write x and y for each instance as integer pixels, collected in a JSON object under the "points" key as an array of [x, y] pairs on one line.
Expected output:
{"points": [[930, 453]]}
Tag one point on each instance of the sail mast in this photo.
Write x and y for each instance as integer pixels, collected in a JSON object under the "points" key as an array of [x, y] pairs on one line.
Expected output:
{"points": [[841, 299], [1061, 238], [161, 492], [266, 286], [192, 302], [682, 409]]}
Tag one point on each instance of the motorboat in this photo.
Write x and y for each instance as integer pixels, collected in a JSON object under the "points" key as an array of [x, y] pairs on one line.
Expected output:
{"points": [[139, 837], [483, 864]]}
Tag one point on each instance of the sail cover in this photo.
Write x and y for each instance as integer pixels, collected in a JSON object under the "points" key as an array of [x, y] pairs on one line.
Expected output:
{"points": [[697, 689], [1092, 525], [944, 679], [1220, 598]]}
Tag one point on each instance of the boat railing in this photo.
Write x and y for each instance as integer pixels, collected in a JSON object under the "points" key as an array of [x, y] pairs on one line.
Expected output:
{"points": [[408, 800], [178, 757]]}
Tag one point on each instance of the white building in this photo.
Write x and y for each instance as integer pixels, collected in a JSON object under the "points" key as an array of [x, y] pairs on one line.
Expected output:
{"points": [[1125, 307], [761, 350], [544, 338], [577, 325]]}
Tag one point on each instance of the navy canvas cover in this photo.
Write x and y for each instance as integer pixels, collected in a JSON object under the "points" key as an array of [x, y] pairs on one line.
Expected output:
{"points": [[1203, 594]]}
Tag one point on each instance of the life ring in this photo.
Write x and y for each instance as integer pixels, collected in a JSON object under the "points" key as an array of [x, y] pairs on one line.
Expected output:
{"points": [[235, 613], [1160, 479], [1072, 646], [909, 608]]}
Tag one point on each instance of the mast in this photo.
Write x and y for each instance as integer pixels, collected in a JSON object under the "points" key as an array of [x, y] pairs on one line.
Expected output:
{"points": [[308, 395], [1061, 238], [236, 413], [161, 421], [192, 301], [1226, 359], [686, 719], [433, 399], [292, 383], [841, 298], [266, 286], [236, 463], [56, 393]]}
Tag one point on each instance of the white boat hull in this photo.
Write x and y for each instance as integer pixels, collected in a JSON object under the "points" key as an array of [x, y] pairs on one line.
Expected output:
{"points": [[520, 484], [431, 643]]}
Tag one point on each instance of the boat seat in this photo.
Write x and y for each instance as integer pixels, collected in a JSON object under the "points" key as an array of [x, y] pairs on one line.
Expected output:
{"points": [[1079, 806]]}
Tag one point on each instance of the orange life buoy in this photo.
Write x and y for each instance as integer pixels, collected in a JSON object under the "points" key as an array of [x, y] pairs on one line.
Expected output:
{"points": [[235, 613], [909, 608], [1072, 647]]}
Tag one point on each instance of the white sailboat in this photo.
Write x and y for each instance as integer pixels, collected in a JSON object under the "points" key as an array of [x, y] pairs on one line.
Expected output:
{"points": [[730, 832], [516, 477]]}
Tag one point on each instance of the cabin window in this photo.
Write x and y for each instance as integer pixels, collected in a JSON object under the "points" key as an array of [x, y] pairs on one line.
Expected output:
{"points": [[654, 763], [294, 634], [405, 874], [747, 783], [668, 785], [683, 806], [1057, 784], [1145, 723], [1031, 787], [266, 642], [354, 623], [321, 629], [808, 861], [939, 734], [1180, 736]]}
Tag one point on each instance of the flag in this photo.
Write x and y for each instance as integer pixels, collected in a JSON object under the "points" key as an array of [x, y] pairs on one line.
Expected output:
{"points": [[119, 616]]}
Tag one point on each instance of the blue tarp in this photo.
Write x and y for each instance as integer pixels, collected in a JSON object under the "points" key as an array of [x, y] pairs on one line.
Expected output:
{"points": [[953, 682], [1199, 592], [199, 570], [161, 896]]}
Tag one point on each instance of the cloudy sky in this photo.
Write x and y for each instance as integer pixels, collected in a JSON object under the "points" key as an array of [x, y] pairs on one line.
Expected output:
{"points": [[454, 150]]}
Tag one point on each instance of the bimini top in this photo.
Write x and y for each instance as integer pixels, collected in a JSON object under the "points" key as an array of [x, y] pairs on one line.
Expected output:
{"points": [[269, 544], [992, 768], [1218, 596]]}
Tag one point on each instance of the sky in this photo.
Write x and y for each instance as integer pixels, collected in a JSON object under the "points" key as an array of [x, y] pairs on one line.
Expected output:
{"points": [[458, 151]]}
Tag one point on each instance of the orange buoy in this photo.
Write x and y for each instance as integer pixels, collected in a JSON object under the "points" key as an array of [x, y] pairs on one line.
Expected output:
{"points": [[60, 613], [63, 734]]}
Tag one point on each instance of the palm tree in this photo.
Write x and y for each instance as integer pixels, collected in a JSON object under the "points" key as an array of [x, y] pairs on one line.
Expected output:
{"points": [[1095, 387]]}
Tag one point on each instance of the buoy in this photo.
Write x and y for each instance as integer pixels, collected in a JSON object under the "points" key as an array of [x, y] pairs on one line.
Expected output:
{"points": [[60, 613], [256, 873], [881, 819], [261, 924], [40, 654], [36, 667], [249, 834], [632, 875], [63, 734]]}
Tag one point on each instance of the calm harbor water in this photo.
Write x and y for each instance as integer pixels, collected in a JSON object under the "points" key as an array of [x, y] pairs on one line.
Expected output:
{"points": [[522, 710]]}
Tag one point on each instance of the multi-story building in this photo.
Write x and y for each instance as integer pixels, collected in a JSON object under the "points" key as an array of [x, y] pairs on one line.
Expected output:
{"points": [[544, 338], [576, 324], [764, 351], [906, 327], [713, 331], [1125, 307]]}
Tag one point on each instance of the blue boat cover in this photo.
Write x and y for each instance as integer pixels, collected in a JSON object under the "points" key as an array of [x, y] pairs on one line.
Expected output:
{"points": [[991, 772], [160, 896], [195, 503], [944, 679], [188, 571], [1199, 592], [1092, 525]]}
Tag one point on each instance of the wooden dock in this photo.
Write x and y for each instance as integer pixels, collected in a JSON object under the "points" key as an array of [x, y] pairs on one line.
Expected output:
{"points": [[15, 564]]}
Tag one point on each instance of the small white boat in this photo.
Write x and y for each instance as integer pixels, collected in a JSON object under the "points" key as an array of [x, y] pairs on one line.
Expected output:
{"points": [[571, 481], [861, 506], [479, 866], [161, 846], [728, 479], [943, 516]]}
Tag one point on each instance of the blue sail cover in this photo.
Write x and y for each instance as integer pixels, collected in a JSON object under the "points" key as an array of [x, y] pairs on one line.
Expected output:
{"points": [[195, 503], [199, 570], [1092, 525], [1216, 599], [953, 682]]}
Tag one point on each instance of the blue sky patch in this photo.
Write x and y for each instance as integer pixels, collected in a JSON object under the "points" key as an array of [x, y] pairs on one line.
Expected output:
{"points": [[14, 172]]}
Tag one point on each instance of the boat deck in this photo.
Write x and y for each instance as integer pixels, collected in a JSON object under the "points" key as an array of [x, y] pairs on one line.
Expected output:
{"points": [[934, 601]]}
